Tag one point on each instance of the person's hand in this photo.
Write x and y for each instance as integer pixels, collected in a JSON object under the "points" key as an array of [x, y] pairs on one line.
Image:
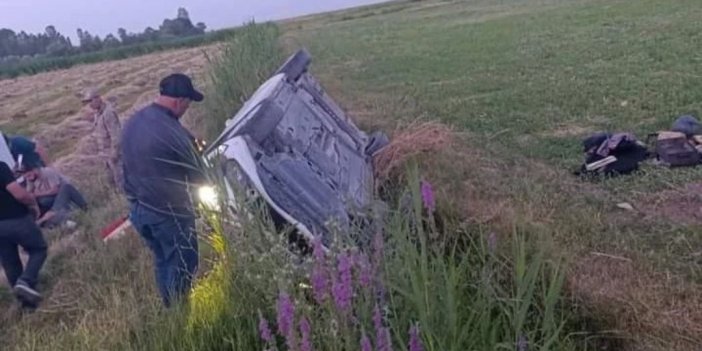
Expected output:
{"points": [[35, 210]]}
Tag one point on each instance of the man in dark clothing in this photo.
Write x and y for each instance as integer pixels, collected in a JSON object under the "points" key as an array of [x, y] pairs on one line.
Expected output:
{"points": [[160, 167], [18, 211], [31, 151]]}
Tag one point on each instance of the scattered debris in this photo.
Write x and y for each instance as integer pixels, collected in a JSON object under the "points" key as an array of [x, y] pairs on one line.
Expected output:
{"points": [[625, 206], [614, 257], [612, 154]]}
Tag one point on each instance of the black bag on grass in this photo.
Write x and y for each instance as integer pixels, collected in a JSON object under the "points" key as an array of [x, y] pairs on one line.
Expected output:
{"points": [[612, 154]]}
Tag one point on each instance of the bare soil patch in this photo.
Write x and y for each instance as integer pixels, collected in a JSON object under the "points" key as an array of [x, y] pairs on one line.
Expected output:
{"points": [[681, 206]]}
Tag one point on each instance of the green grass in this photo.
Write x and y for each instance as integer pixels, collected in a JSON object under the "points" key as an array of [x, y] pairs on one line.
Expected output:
{"points": [[527, 80], [513, 74]]}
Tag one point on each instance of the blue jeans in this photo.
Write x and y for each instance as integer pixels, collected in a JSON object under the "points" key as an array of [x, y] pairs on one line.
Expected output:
{"points": [[21, 232], [173, 242]]}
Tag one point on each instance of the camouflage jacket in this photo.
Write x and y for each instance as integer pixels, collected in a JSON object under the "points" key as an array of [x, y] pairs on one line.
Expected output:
{"points": [[108, 130]]}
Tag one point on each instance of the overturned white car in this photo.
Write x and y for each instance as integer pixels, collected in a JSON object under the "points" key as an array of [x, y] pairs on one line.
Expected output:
{"points": [[292, 146], [5, 154]]}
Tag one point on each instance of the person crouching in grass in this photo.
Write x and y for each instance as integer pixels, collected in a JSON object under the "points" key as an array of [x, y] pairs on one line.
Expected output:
{"points": [[18, 212], [55, 196]]}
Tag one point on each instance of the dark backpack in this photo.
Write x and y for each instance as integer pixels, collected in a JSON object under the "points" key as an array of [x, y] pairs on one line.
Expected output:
{"points": [[625, 154]]}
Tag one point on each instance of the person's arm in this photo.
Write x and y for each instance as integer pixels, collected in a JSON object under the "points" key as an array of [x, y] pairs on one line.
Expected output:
{"points": [[114, 128], [51, 177], [187, 154], [24, 197], [102, 135], [53, 190]]}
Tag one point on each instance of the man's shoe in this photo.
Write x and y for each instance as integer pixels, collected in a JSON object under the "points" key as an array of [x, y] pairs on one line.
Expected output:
{"points": [[26, 294], [27, 307]]}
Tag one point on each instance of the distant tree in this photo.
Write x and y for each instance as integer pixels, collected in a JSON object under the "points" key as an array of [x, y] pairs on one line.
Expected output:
{"points": [[150, 34], [8, 42], [59, 48], [51, 32], [123, 36], [181, 26], [88, 42], [111, 42], [183, 14], [201, 27], [23, 46]]}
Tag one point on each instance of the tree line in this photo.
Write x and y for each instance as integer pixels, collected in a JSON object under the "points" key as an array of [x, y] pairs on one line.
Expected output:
{"points": [[54, 44]]}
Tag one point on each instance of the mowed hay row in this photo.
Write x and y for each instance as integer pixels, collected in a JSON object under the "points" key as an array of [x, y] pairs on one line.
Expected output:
{"points": [[25, 91], [48, 108], [409, 142]]}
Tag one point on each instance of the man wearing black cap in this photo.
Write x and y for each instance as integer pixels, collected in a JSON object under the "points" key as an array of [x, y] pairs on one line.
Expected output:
{"points": [[161, 168]]}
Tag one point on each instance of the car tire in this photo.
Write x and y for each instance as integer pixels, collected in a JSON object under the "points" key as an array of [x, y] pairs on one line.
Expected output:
{"points": [[296, 65]]}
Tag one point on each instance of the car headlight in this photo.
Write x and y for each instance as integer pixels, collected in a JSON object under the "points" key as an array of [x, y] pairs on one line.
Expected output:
{"points": [[208, 196]]}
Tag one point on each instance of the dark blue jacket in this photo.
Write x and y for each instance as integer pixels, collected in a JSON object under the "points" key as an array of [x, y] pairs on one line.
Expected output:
{"points": [[160, 162]]}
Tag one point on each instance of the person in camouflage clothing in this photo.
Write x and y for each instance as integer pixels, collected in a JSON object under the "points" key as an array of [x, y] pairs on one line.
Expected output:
{"points": [[107, 129]]}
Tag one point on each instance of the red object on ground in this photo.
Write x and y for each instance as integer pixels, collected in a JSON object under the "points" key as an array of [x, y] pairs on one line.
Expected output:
{"points": [[115, 228]]}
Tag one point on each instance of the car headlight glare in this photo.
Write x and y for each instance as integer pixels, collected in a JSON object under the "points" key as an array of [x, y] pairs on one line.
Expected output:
{"points": [[208, 196]]}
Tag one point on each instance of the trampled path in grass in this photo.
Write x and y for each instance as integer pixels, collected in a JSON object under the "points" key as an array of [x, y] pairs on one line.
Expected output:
{"points": [[523, 81]]}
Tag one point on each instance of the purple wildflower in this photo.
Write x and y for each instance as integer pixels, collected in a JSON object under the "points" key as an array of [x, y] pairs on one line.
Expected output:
{"points": [[522, 343], [342, 288], [319, 273], [377, 263], [428, 196], [415, 342], [319, 283], [317, 249], [264, 329], [286, 313], [378, 249], [366, 343], [492, 242], [382, 334], [365, 270], [305, 330]]}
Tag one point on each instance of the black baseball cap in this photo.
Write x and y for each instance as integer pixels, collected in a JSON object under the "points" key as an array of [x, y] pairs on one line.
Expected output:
{"points": [[179, 85]]}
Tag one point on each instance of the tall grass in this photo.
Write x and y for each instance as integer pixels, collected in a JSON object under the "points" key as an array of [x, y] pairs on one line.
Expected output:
{"points": [[455, 293], [244, 62]]}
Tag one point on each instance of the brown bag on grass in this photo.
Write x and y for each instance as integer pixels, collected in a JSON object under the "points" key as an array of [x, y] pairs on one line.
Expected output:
{"points": [[674, 149]]}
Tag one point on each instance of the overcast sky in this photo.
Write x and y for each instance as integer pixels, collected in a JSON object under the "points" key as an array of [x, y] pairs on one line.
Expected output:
{"points": [[102, 17]]}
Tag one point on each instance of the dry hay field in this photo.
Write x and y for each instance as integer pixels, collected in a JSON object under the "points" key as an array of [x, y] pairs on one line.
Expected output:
{"points": [[47, 108]]}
